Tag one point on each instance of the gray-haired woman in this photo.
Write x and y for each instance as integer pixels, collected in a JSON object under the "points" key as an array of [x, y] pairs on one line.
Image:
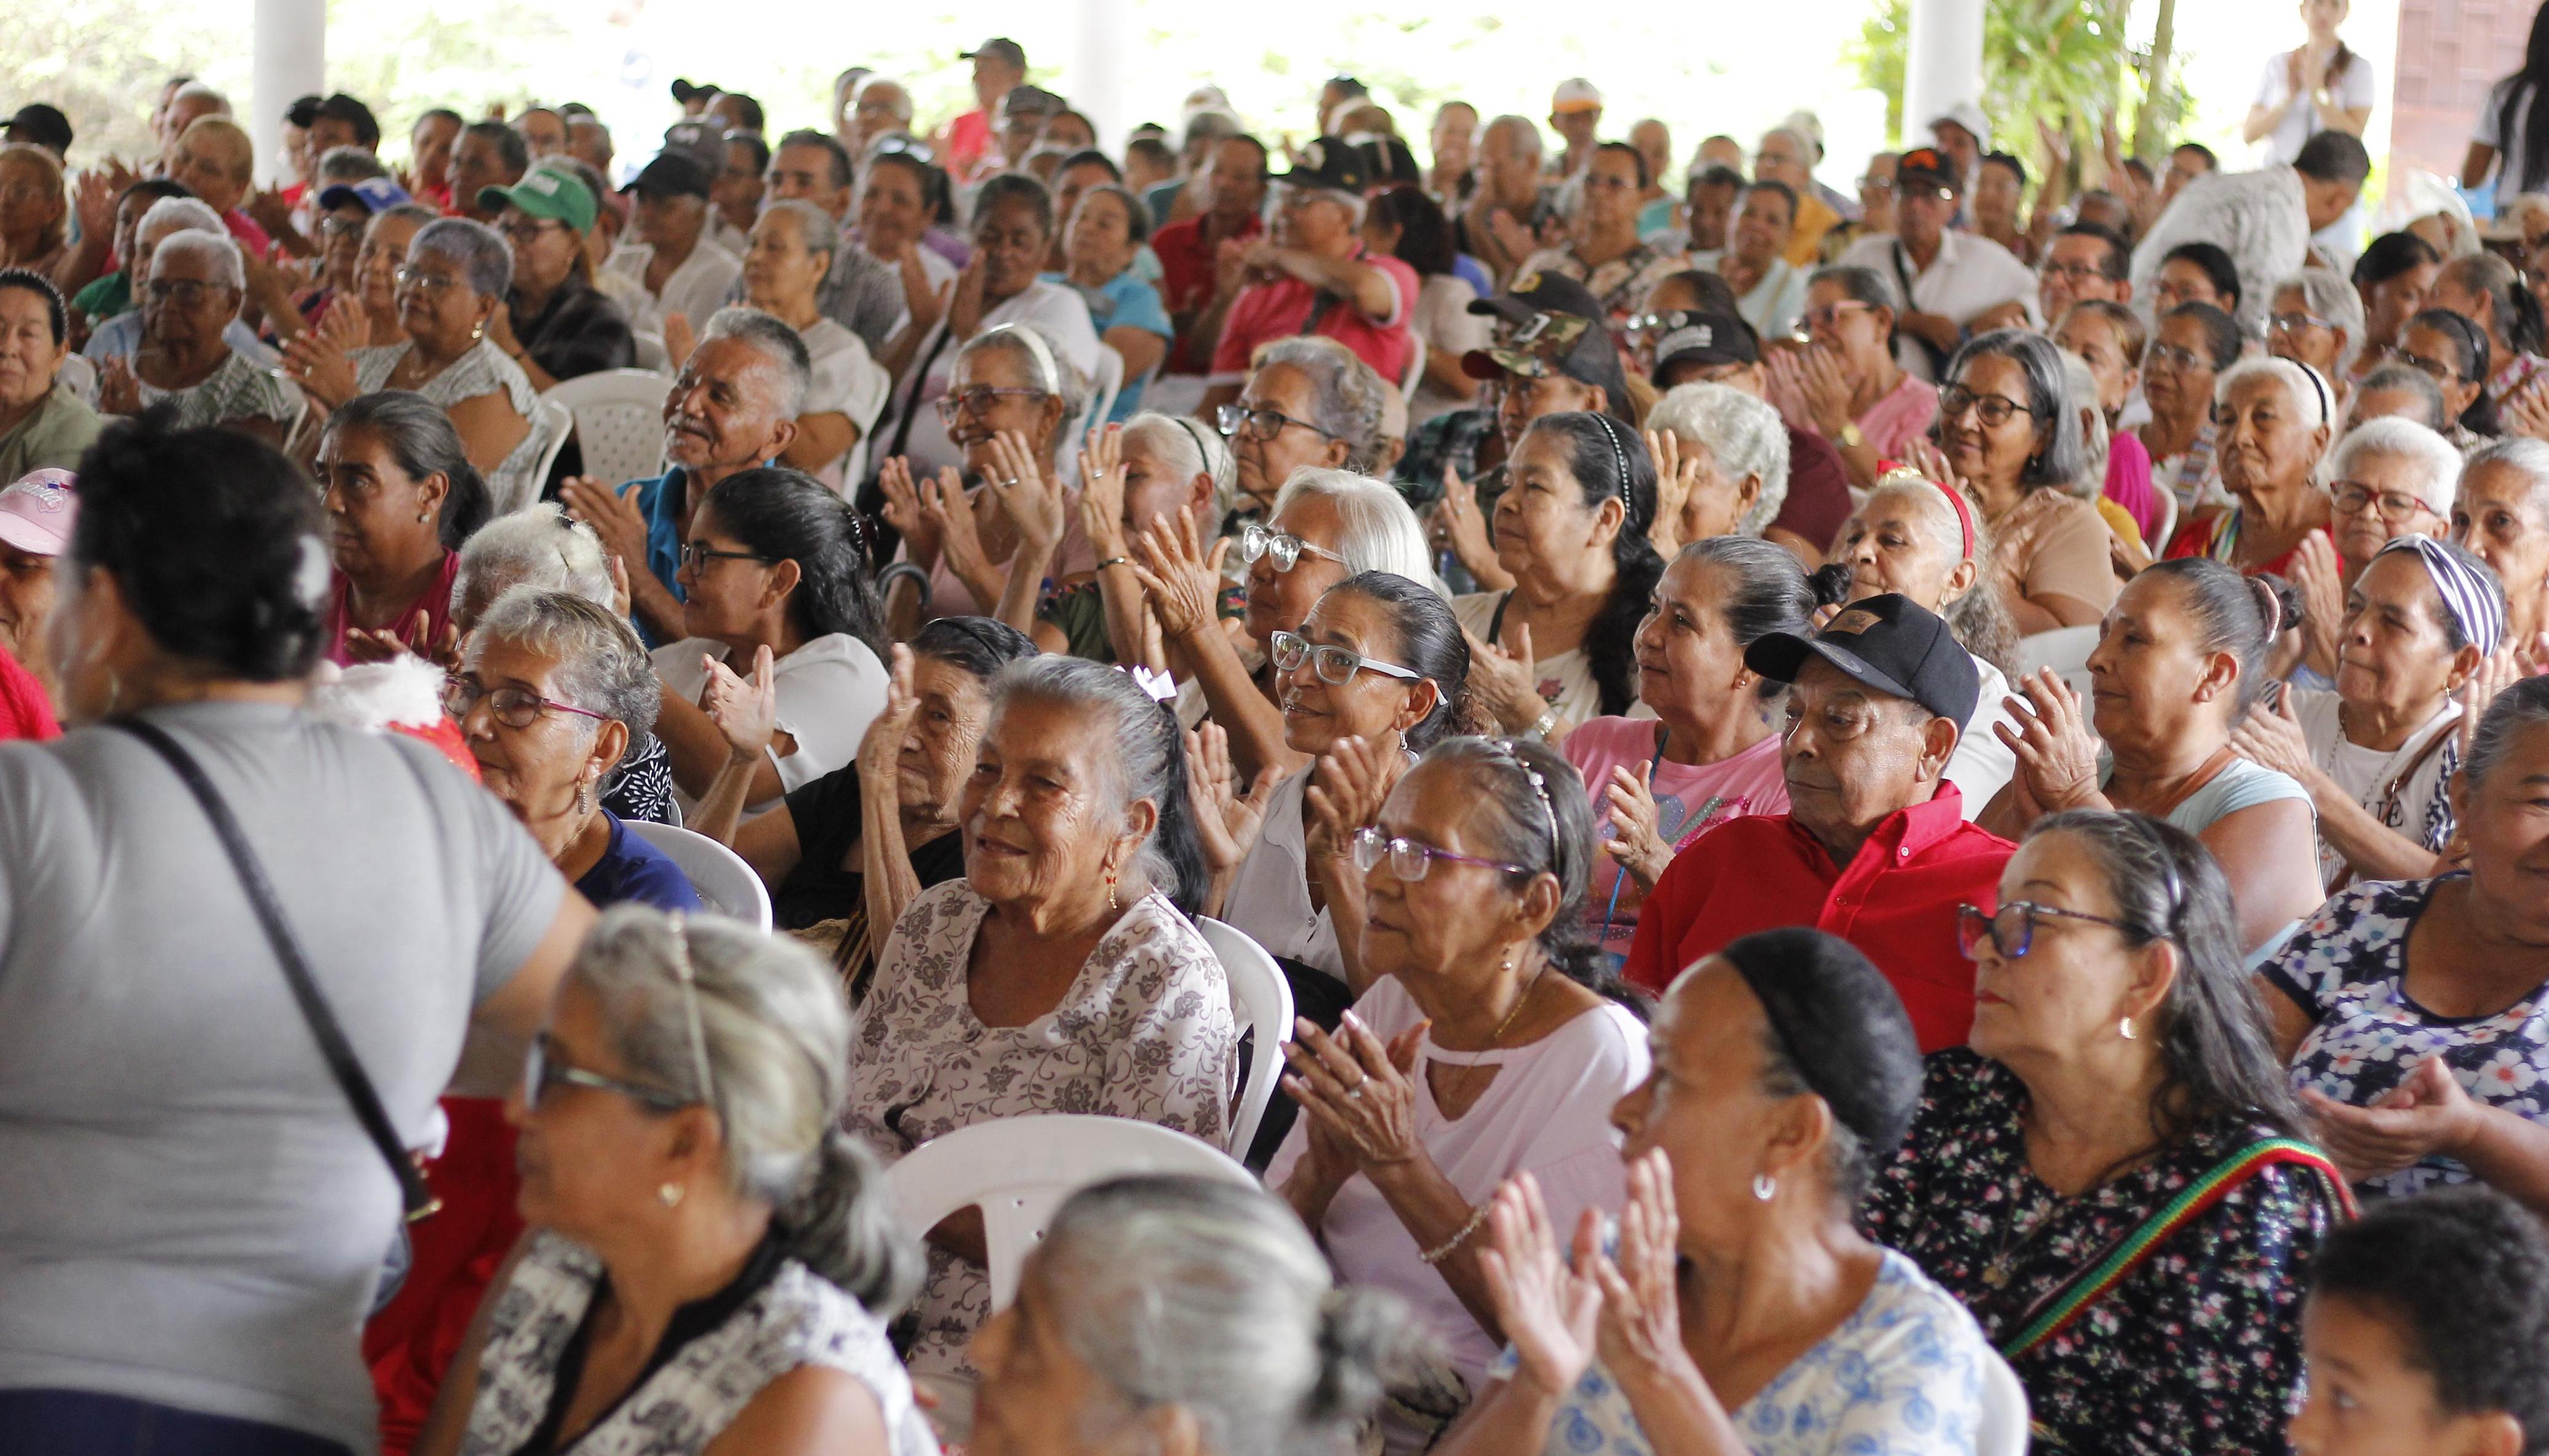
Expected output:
{"points": [[1847, 384], [1058, 975], [1720, 466], [1305, 404], [188, 356], [553, 694], [791, 252], [2009, 435], [455, 280], [1178, 1314], [714, 1263], [1152, 470]]}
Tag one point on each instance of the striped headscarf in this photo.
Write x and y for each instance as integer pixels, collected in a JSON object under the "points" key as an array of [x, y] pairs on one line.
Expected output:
{"points": [[2474, 602]]}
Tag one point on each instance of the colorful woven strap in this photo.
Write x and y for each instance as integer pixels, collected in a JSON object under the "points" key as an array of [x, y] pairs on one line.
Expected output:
{"points": [[2191, 1202]]}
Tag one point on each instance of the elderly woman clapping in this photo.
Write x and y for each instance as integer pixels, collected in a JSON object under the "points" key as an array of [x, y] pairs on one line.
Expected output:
{"points": [[453, 282], [1178, 1314], [1484, 1048], [2118, 1062], [1846, 384], [694, 1202], [196, 285], [2178, 663], [1154, 470], [2379, 753], [2273, 421], [1742, 1312], [554, 692], [791, 252], [1058, 973], [2410, 1012], [2389, 477], [1720, 466]]}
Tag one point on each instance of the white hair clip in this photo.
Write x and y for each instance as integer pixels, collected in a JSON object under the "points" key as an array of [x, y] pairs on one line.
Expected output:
{"points": [[314, 578], [1160, 686]]}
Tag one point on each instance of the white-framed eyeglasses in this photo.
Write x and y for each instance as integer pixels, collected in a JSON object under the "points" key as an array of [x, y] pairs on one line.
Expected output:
{"points": [[1336, 665], [1257, 540]]}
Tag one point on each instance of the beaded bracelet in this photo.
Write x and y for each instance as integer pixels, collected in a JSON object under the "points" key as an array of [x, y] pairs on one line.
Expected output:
{"points": [[1444, 1250]]}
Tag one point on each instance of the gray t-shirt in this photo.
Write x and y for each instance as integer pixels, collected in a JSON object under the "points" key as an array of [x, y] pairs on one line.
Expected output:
{"points": [[189, 1212]]}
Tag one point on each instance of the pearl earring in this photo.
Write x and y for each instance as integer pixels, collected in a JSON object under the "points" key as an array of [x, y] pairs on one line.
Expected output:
{"points": [[584, 797], [670, 1195], [1763, 1186], [2128, 1029]]}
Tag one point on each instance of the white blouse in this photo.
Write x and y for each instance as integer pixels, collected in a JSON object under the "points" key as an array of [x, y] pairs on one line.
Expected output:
{"points": [[1270, 893], [829, 691]]}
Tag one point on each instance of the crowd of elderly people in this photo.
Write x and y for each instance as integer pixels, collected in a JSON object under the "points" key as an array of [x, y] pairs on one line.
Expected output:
{"points": [[1885, 820]]}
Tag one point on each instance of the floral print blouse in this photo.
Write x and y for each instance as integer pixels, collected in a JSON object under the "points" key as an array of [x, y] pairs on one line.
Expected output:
{"points": [[1146, 1032], [2198, 1350], [2347, 967]]}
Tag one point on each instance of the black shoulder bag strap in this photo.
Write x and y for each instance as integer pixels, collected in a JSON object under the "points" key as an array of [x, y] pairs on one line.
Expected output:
{"points": [[1937, 357], [339, 1054]]}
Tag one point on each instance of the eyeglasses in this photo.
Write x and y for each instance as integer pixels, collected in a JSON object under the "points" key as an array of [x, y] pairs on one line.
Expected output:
{"points": [[524, 234], [2292, 324], [978, 400], [1410, 860], [1995, 409], [185, 293], [698, 554], [1336, 665], [424, 282], [515, 707], [1256, 540], [2076, 272], [2434, 369], [2176, 358], [2353, 497], [1239, 422], [2011, 928], [1830, 314], [543, 1071]]}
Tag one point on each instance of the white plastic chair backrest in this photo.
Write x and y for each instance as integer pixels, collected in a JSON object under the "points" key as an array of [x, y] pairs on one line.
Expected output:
{"points": [[2065, 649], [2004, 1427], [652, 356], [1415, 368], [81, 375], [1103, 382], [619, 418], [725, 883], [552, 422], [2167, 522], [1019, 1170], [1262, 1000]]}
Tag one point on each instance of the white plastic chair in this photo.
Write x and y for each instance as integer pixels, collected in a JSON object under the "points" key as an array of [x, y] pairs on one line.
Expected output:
{"points": [[1415, 375], [2065, 649], [652, 356], [551, 423], [1260, 1000], [725, 883], [1018, 1171], [619, 418], [81, 375], [2004, 1429], [2167, 522]]}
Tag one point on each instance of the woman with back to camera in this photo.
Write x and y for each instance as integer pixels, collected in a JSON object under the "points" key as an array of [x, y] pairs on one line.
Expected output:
{"points": [[232, 1187]]}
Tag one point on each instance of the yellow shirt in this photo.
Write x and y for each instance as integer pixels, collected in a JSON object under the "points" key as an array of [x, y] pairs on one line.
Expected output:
{"points": [[1814, 218]]}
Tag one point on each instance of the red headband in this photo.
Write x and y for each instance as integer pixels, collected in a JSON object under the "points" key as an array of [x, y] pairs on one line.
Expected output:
{"points": [[1965, 514]]}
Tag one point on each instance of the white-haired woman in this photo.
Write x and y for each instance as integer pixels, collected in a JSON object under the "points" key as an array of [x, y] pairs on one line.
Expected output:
{"points": [[455, 280], [1185, 1315], [2317, 321], [2272, 419], [2501, 512], [1153, 469], [2390, 477], [714, 1261], [1058, 973], [1326, 525], [2378, 753], [186, 357], [1720, 466], [791, 252]]}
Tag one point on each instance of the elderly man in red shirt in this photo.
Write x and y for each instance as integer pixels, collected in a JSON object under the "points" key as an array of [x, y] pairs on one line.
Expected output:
{"points": [[1233, 185], [1313, 276], [1874, 847]]}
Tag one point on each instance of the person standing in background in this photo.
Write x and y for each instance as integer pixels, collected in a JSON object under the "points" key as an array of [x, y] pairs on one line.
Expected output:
{"points": [[2319, 86], [2514, 124], [999, 64]]}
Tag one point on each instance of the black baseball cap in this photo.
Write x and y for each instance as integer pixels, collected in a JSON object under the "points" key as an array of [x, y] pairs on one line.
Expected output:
{"points": [[1330, 164], [339, 107], [1704, 338], [685, 91], [672, 173], [1927, 165], [1533, 291], [998, 47], [1890, 643], [1387, 162], [42, 125]]}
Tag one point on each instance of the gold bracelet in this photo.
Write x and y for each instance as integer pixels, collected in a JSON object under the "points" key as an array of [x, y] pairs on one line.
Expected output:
{"points": [[1444, 1250]]}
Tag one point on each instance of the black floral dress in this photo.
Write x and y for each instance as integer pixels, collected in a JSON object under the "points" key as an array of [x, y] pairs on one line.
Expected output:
{"points": [[2196, 1351]]}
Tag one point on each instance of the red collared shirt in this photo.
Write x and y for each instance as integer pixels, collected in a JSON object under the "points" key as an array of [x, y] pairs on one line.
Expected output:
{"points": [[1288, 307], [1185, 253], [1896, 901]]}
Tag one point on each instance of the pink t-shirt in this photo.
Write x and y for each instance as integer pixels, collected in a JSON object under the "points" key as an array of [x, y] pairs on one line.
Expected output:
{"points": [[1901, 416], [2128, 485], [1690, 801], [1264, 311]]}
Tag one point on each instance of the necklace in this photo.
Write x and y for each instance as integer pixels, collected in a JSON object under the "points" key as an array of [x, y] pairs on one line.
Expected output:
{"points": [[1497, 1037]]}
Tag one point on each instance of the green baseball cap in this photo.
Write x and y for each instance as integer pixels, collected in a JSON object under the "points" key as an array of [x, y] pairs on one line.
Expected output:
{"points": [[545, 194]]}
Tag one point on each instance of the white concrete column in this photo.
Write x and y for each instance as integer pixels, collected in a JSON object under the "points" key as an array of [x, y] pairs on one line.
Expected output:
{"points": [[291, 62], [1943, 62], [1101, 42]]}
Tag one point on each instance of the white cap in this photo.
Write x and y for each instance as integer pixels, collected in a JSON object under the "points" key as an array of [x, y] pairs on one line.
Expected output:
{"points": [[1205, 98], [1967, 114], [1575, 94]]}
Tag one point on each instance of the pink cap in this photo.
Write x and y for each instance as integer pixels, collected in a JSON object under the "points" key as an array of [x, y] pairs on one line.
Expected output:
{"points": [[37, 512]]}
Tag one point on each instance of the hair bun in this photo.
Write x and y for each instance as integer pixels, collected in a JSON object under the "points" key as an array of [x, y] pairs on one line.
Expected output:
{"points": [[1829, 582], [1367, 1343]]}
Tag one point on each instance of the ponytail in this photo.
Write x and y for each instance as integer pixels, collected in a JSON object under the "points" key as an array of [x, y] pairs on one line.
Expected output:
{"points": [[841, 1225]]}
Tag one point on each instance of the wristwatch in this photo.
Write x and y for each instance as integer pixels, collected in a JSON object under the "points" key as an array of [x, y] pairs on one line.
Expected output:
{"points": [[1850, 438], [1540, 726]]}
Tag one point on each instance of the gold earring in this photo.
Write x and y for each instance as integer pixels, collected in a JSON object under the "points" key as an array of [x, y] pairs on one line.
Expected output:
{"points": [[477, 331]]}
